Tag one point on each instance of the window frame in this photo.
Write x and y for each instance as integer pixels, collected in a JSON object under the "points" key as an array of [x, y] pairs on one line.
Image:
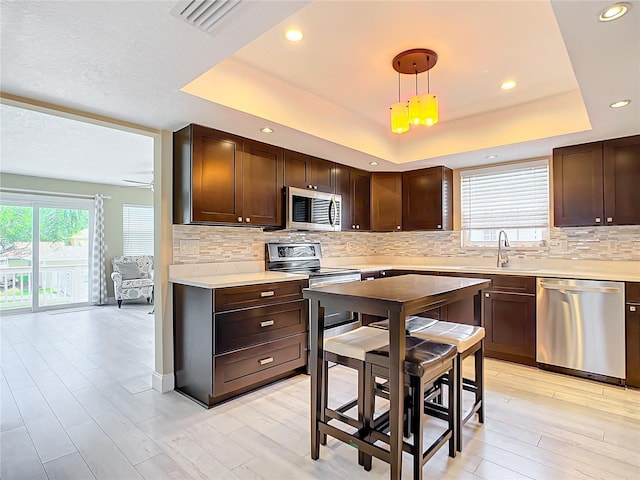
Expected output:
{"points": [[467, 242]]}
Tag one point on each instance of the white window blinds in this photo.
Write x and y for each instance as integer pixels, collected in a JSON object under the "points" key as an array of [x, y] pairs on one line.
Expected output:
{"points": [[510, 197], [137, 229]]}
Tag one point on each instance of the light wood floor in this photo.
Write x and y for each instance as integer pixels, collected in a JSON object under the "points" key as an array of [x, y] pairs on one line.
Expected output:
{"points": [[77, 403]]}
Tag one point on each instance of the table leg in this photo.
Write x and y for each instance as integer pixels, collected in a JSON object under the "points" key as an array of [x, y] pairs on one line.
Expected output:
{"points": [[396, 390], [316, 360]]}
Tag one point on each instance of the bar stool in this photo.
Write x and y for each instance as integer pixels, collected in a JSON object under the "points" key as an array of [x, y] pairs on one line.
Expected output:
{"points": [[469, 340], [425, 364], [349, 349]]}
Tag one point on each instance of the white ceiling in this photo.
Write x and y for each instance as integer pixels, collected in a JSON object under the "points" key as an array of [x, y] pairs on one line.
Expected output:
{"points": [[329, 94]]}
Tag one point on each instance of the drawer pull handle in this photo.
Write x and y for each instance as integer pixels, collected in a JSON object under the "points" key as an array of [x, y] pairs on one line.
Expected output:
{"points": [[270, 293], [267, 323], [265, 361], [632, 308]]}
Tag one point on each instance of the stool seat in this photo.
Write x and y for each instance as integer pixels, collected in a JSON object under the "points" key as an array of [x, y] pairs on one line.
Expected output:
{"points": [[461, 335], [356, 343], [413, 323], [422, 357]]}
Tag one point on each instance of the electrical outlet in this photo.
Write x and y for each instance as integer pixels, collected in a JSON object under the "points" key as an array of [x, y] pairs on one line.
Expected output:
{"points": [[189, 247]]}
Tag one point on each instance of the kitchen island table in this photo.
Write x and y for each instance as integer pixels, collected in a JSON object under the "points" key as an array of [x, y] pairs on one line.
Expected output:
{"points": [[394, 298]]}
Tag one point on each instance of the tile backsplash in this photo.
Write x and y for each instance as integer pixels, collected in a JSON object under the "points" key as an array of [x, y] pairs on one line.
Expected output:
{"points": [[206, 244]]}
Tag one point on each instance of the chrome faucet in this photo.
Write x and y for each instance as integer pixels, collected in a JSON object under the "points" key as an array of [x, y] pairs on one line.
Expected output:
{"points": [[502, 254]]}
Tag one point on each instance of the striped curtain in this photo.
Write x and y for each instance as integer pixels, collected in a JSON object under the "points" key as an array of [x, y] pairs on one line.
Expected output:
{"points": [[98, 271]]}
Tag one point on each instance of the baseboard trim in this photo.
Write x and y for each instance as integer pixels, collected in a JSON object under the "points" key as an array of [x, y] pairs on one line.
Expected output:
{"points": [[162, 383]]}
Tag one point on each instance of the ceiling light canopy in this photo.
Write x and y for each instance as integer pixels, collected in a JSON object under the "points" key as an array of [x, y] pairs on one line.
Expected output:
{"points": [[420, 109], [294, 35], [614, 11]]}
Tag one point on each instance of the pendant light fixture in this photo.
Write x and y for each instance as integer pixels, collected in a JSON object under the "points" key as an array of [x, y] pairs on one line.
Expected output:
{"points": [[421, 109], [399, 114]]}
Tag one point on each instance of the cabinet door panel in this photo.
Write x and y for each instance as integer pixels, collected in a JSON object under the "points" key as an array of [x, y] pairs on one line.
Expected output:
{"points": [[263, 181], [633, 344], [361, 198], [427, 199], [386, 201], [297, 169], [577, 185], [323, 175], [217, 177], [344, 179], [621, 181], [510, 322]]}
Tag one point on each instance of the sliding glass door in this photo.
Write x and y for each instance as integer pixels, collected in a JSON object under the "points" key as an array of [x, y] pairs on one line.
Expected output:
{"points": [[53, 271]]}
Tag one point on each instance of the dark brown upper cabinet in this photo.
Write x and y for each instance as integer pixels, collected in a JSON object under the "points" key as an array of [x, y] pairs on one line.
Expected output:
{"points": [[223, 178], [305, 171], [427, 199], [597, 183], [355, 188], [386, 202]]}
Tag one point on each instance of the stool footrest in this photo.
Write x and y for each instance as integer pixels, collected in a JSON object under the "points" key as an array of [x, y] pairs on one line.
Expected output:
{"points": [[329, 413], [356, 441]]}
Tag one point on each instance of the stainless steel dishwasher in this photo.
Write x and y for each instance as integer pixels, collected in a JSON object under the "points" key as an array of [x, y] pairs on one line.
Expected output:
{"points": [[580, 326]]}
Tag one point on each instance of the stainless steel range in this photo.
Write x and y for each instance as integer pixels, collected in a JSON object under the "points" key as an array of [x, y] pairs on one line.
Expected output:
{"points": [[305, 258]]}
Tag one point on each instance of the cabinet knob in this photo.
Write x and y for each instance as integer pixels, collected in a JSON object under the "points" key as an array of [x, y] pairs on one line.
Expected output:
{"points": [[248, 220], [439, 226], [486, 295], [240, 219], [315, 187], [397, 227], [598, 220], [632, 308], [609, 219], [309, 186], [353, 226], [384, 274], [357, 227]]}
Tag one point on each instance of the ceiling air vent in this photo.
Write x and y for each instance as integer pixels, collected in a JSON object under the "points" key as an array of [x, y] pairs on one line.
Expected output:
{"points": [[205, 14]]}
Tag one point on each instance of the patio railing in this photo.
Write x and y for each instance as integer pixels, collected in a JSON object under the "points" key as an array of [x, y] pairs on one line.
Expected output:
{"points": [[57, 285]]}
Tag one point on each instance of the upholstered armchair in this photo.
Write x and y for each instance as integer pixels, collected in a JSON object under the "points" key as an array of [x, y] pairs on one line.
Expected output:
{"points": [[132, 277]]}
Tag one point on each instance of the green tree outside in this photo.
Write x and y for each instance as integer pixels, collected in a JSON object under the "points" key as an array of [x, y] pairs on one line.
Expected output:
{"points": [[56, 224]]}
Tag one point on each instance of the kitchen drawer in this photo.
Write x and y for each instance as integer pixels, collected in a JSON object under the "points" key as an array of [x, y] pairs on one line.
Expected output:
{"points": [[632, 292], [233, 298], [243, 368], [243, 328], [513, 284]]}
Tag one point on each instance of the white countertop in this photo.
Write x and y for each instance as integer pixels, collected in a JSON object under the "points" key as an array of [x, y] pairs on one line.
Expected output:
{"points": [[522, 271], [221, 280]]}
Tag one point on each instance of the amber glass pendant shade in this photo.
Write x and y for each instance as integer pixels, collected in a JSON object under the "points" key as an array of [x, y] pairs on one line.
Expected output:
{"points": [[428, 109], [415, 111], [399, 117]]}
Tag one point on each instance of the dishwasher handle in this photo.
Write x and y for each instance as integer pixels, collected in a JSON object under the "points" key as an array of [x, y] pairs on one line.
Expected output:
{"points": [[578, 288]]}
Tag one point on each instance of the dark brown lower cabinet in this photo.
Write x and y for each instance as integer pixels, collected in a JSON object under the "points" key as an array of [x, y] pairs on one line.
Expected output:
{"points": [[632, 331], [231, 340], [510, 326]]}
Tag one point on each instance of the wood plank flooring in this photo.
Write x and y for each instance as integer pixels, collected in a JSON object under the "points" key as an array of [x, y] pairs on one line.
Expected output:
{"points": [[76, 402]]}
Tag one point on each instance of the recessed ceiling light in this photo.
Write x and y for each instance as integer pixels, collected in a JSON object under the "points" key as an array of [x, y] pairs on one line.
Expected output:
{"points": [[508, 85], [266, 130], [294, 35], [491, 157], [373, 163], [614, 11], [620, 103]]}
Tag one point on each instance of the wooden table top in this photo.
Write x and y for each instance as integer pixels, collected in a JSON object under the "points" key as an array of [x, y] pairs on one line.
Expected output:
{"points": [[400, 290]]}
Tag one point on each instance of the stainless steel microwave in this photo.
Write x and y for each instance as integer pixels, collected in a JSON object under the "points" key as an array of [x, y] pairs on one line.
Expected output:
{"points": [[313, 210]]}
